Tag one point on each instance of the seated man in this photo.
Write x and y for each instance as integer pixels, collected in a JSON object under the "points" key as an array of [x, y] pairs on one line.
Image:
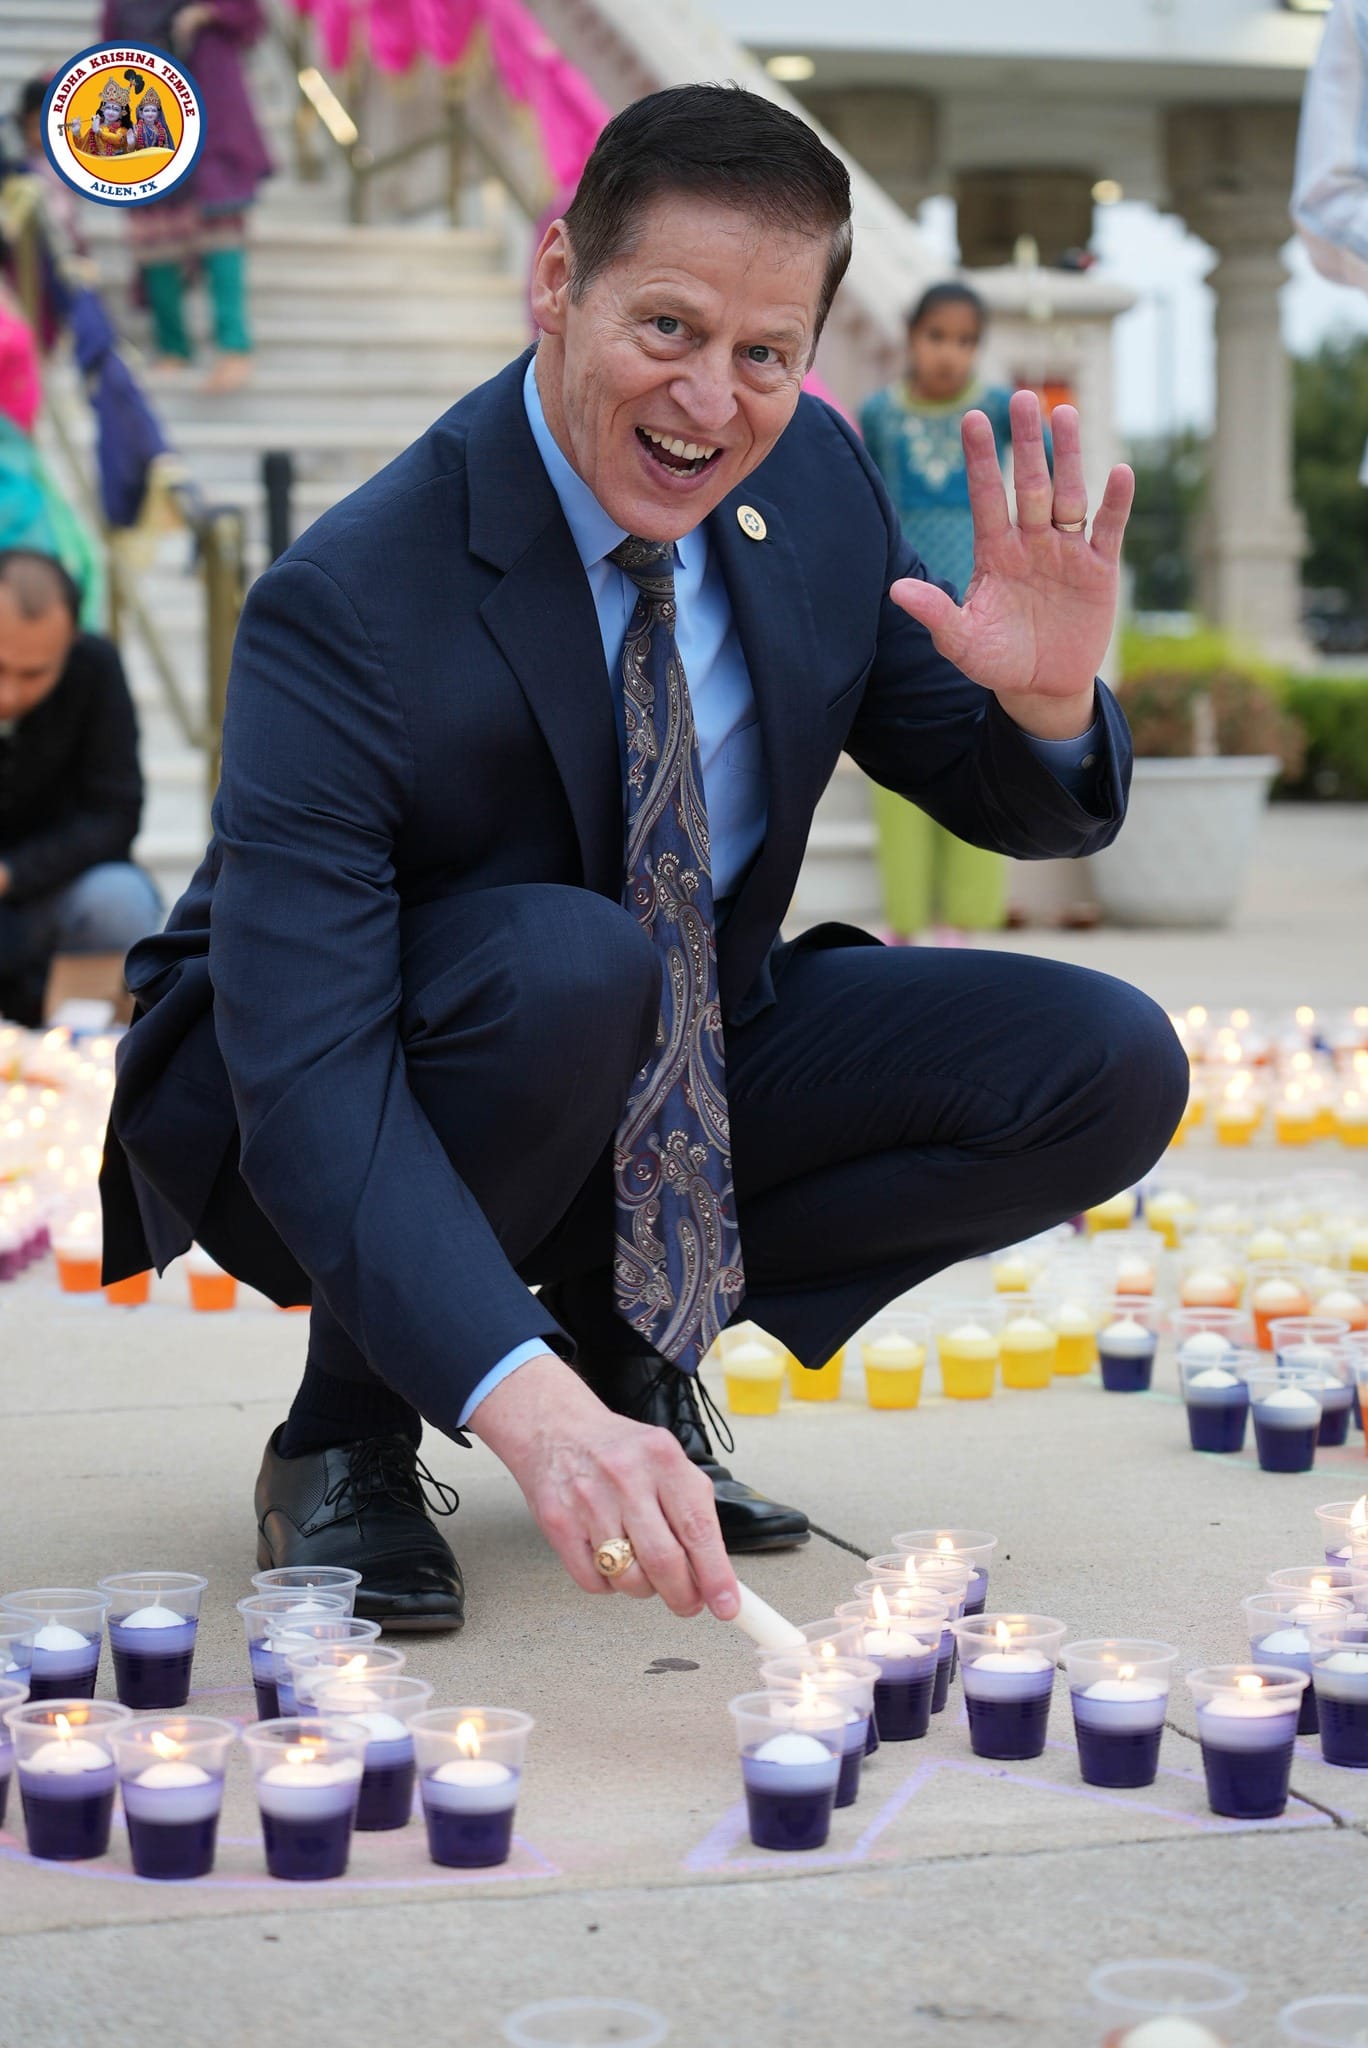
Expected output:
{"points": [[70, 787], [479, 984]]}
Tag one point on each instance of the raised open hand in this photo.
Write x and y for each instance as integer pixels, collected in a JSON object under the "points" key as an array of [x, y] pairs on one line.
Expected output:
{"points": [[1035, 620]]}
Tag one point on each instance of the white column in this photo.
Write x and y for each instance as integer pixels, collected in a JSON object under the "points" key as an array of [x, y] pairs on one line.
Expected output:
{"points": [[1230, 172]]}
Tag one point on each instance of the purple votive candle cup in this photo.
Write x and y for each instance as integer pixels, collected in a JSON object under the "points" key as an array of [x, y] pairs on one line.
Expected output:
{"points": [[1119, 1691], [470, 1766], [266, 1617], [67, 1624], [308, 1774], [1007, 1667], [171, 1771], [153, 1620], [790, 1774], [384, 1703], [66, 1775], [803, 1679], [1247, 1725]]}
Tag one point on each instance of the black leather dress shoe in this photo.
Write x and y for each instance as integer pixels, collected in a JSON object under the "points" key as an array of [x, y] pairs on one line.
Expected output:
{"points": [[362, 1505], [650, 1390]]}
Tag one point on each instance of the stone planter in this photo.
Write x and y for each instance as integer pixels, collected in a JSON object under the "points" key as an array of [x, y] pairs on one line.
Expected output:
{"points": [[1182, 853]]}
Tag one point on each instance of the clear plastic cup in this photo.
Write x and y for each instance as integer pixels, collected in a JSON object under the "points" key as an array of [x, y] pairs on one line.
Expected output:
{"points": [[833, 1637], [1073, 1313], [1277, 1626], [850, 1682], [385, 1703], [1247, 1725], [307, 1770], [13, 1693], [1306, 1340], [1028, 1343], [1339, 1680], [1233, 1325], [314, 1663], [893, 1354], [1210, 1277], [790, 1767], [153, 1618], [1322, 1582], [265, 1616], [307, 1578], [1286, 1404], [1345, 1297], [1126, 1995], [1215, 1394], [1173, 1211], [66, 1774], [907, 1634], [470, 1766], [1126, 1344], [68, 1627], [1128, 1264], [753, 1373], [171, 1773], [585, 2023], [1119, 1690], [1344, 1528], [16, 1648], [1007, 1665], [967, 1347], [816, 1382], [292, 1636], [1118, 1212], [1334, 2020], [1277, 1289], [973, 1547]]}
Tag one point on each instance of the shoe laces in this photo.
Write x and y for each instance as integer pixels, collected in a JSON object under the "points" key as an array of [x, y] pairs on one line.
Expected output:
{"points": [[689, 1388], [389, 1468]]}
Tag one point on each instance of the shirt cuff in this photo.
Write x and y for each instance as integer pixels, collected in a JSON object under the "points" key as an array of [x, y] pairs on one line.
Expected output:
{"points": [[533, 1348], [1073, 763]]}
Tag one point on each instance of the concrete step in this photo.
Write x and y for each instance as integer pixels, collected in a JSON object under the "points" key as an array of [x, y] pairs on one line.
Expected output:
{"points": [[327, 242], [285, 395]]}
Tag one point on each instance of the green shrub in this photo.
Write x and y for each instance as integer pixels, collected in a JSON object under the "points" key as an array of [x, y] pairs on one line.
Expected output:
{"points": [[1333, 714]]}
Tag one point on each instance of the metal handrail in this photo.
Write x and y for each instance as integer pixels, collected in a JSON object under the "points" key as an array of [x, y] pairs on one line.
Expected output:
{"points": [[218, 531], [335, 108]]}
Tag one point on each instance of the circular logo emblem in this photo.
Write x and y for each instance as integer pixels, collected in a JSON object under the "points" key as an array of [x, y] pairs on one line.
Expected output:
{"points": [[750, 522], [122, 124]]}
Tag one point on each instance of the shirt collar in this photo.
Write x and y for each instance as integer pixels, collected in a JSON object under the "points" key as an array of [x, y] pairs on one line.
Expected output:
{"points": [[593, 532]]}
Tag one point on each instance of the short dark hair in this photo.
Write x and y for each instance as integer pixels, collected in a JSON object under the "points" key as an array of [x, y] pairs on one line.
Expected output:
{"points": [[32, 94], [37, 582], [715, 142], [951, 293]]}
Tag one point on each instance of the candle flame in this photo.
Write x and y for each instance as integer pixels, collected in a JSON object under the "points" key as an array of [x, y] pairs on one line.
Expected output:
{"points": [[354, 1666], [911, 1571], [164, 1745], [1125, 1671], [812, 1697], [1249, 1682], [879, 1606], [827, 1649], [1358, 1513], [468, 1738], [1321, 1588], [63, 1727], [1002, 1635], [308, 1750], [945, 1546]]}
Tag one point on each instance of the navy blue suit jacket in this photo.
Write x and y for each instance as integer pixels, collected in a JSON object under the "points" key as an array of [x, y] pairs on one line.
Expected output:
{"points": [[419, 706]]}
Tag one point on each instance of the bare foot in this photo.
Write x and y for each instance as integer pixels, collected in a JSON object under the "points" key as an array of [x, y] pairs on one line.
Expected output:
{"points": [[230, 373], [169, 366]]}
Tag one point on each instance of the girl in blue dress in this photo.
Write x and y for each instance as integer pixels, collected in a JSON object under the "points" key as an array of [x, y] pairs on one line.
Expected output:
{"points": [[912, 431]]}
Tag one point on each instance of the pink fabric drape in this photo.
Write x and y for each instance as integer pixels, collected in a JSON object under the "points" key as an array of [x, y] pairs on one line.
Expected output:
{"points": [[531, 70]]}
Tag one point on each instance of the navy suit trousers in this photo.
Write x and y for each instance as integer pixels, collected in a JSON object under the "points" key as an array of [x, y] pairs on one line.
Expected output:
{"points": [[894, 1110]]}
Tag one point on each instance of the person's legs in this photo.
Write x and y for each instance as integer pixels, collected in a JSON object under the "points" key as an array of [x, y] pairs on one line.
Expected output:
{"points": [[164, 284], [105, 910], [898, 1110], [526, 1013]]}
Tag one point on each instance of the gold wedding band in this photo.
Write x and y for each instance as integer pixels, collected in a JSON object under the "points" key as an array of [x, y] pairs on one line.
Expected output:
{"points": [[613, 1558], [1069, 525]]}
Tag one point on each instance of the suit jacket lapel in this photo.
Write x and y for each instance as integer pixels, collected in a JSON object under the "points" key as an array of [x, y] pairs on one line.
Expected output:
{"points": [[542, 616], [774, 621]]}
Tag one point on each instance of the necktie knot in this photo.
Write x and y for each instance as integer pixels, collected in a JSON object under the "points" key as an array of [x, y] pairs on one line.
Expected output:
{"points": [[647, 563]]}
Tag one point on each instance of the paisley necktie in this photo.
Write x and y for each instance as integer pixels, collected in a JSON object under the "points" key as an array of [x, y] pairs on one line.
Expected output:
{"points": [[677, 1272]]}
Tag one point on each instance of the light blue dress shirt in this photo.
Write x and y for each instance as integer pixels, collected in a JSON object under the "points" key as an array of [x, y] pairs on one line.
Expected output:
{"points": [[725, 716]]}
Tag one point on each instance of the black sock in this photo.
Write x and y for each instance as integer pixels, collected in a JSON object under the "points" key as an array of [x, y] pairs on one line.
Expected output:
{"points": [[328, 1411]]}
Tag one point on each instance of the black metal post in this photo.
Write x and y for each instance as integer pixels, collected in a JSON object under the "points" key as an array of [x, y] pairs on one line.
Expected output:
{"points": [[277, 478]]}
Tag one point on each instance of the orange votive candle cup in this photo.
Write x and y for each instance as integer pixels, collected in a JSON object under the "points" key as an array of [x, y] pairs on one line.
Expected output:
{"points": [[130, 1293], [212, 1291]]}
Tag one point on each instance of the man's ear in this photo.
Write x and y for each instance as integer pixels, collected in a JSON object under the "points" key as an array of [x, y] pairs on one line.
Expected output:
{"points": [[551, 279]]}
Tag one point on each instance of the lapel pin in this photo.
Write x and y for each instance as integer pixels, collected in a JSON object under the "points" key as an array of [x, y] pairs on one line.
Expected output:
{"points": [[750, 522]]}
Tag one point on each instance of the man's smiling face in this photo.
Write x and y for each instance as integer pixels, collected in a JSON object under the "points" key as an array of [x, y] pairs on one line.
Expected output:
{"points": [[670, 379]]}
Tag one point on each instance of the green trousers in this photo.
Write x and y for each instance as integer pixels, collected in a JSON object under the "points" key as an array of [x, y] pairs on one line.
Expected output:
{"points": [[930, 877], [226, 272]]}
